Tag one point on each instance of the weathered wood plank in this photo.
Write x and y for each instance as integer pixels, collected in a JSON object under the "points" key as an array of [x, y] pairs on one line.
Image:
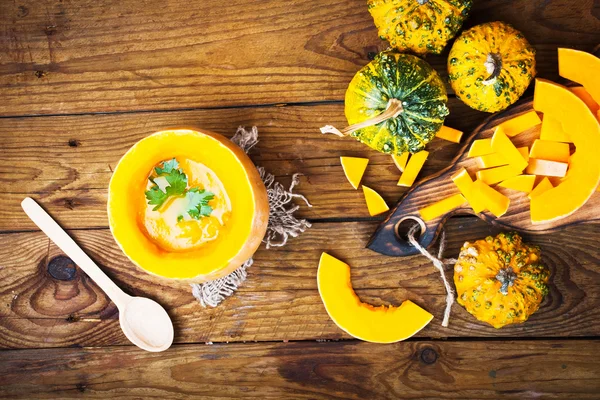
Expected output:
{"points": [[280, 300], [548, 369], [66, 162], [85, 56]]}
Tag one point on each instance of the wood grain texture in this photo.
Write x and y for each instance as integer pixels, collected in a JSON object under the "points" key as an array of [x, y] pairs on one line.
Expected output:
{"points": [[66, 162], [280, 301], [84, 56], [548, 369], [440, 185]]}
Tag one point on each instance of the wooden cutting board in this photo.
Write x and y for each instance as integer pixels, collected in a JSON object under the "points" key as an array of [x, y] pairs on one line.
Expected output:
{"points": [[386, 239]]}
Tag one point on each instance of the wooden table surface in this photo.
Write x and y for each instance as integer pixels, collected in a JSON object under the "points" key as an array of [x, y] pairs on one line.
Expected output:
{"points": [[81, 81]]}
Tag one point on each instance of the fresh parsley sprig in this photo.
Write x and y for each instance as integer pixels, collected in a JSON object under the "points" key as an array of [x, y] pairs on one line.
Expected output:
{"points": [[177, 186]]}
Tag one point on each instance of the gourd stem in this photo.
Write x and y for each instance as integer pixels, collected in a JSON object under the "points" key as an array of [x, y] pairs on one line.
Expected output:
{"points": [[493, 65], [506, 276], [394, 108]]}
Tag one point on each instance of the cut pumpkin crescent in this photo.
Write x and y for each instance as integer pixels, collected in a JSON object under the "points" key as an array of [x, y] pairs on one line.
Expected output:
{"points": [[580, 67], [354, 169], [383, 324], [237, 239], [584, 130]]}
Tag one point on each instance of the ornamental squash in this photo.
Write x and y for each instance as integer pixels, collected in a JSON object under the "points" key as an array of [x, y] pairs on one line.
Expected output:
{"points": [[383, 324], [187, 205], [419, 26], [500, 280], [490, 66], [394, 104]]}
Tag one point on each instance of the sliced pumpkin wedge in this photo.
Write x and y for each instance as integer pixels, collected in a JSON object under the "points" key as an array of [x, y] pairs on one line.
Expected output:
{"points": [[449, 134], [576, 118], [442, 207], [502, 145], [580, 67], [401, 161], [415, 163], [354, 169], [520, 123], [375, 203], [552, 130], [464, 183], [541, 187], [521, 183], [480, 147], [550, 150], [383, 324]]}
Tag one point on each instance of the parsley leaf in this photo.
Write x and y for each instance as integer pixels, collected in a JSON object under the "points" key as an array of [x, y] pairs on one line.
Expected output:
{"points": [[156, 197], [176, 179], [198, 203], [168, 166], [177, 182]]}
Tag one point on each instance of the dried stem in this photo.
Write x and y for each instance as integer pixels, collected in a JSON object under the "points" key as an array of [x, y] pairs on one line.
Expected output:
{"points": [[394, 108]]}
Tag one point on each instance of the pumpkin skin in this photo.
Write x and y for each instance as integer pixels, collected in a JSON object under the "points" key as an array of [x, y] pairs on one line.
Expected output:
{"points": [[392, 75], [240, 237], [500, 280], [490, 66], [419, 26]]}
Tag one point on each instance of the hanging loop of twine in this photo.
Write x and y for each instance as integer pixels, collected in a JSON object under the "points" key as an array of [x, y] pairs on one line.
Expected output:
{"points": [[438, 263], [393, 109]]}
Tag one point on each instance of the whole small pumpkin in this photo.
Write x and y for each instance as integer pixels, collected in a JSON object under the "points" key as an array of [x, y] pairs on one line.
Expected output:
{"points": [[419, 26], [404, 95], [500, 280], [490, 66]]}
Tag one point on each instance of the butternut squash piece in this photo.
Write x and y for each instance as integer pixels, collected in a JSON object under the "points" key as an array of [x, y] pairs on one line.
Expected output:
{"points": [[494, 201], [413, 167], [520, 123], [498, 174], [442, 207], [583, 128], [383, 324], [449, 134], [580, 67], [401, 161], [490, 161], [586, 97], [547, 168], [549, 150], [464, 183], [552, 130], [375, 203], [480, 147], [541, 187], [524, 152], [521, 183], [502, 145], [354, 169]]}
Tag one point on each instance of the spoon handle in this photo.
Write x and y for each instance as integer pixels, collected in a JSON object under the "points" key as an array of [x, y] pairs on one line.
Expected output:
{"points": [[45, 222]]}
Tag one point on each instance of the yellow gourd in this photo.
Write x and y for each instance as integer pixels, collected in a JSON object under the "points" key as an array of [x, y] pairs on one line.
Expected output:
{"points": [[500, 280], [238, 237], [490, 66]]}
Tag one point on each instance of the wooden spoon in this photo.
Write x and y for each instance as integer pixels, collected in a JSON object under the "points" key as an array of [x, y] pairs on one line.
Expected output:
{"points": [[144, 322]]}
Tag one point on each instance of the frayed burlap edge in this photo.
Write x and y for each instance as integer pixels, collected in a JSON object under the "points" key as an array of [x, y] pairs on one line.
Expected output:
{"points": [[281, 226]]}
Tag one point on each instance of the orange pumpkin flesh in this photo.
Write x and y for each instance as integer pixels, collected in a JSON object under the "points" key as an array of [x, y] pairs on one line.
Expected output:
{"points": [[581, 67], [584, 173], [237, 240]]}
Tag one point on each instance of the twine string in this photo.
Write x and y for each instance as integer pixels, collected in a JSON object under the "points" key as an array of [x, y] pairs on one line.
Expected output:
{"points": [[438, 263]]}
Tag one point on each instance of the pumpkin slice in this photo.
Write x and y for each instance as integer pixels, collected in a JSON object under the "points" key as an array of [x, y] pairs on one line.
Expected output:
{"points": [[580, 67], [494, 201], [354, 169], [198, 152], [549, 150], [552, 130], [584, 173], [442, 207], [541, 187], [383, 324], [375, 203], [401, 160], [480, 147], [502, 145], [524, 152], [490, 161], [415, 163], [520, 123], [521, 183], [498, 174], [464, 183], [586, 97], [449, 134], [547, 168]]}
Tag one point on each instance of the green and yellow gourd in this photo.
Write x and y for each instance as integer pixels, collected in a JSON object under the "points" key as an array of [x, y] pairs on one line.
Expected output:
{"points": [[395, 104], [490, 66], [419, 26]]}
